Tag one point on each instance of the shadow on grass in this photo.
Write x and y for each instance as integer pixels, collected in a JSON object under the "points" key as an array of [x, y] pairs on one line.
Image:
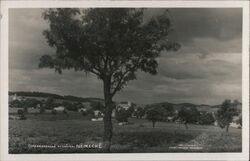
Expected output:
{"points": [[154, 141]]}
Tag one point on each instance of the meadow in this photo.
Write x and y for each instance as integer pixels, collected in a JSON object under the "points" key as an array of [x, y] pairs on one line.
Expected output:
{"points": [[64, 133]]}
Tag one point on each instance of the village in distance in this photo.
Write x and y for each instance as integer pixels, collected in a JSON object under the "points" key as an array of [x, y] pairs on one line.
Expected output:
{"points": [[138, 127]]}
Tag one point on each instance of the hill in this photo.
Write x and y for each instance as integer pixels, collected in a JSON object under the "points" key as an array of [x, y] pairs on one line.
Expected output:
{"points": [[178, 106], [43, 95]]}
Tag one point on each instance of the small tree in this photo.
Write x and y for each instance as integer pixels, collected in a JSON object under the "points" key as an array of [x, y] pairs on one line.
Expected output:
{"points": [[42, 109], [225, 114], [49, 103], [15, 104], [206, 118], [155, 114], [25, 109], [97, 106], [122, 115], [21, 114], [169, 109], [188, 115], [239, 121], [139, 113], [54, 112]]}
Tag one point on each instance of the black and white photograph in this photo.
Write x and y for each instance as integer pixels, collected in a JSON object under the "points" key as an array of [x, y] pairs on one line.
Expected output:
{"points": [[87, 80]]}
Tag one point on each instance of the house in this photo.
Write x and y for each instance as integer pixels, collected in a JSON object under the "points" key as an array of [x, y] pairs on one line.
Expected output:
{"points": [[12, 117], [235, 125], [235, 118], [170, 118], [97, 119], [122, 123], [59, 109], [124, 105], [15, 98], [82, 110], [98, 114]]}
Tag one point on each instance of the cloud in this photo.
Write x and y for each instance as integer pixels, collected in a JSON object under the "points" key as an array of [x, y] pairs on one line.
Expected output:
{"points": [[207, 68], [222, 24]]}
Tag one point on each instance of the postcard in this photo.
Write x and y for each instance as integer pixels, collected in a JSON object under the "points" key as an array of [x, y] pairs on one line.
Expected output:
{"points": [[124, 80]]}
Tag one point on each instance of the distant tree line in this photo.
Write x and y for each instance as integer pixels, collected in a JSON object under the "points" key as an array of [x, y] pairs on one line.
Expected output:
{"points": [[154, 113], [49, 104], [54, 96], [188, 114]]}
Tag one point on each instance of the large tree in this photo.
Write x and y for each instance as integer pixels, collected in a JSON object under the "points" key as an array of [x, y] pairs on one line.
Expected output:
{"points": [[111, 43]]}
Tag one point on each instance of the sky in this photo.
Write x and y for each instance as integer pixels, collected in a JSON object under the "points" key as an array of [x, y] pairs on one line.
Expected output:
{"points": [[206, 69]]}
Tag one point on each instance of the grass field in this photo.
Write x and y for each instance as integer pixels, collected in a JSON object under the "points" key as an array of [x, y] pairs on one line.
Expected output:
{"points": [[64, 134]]}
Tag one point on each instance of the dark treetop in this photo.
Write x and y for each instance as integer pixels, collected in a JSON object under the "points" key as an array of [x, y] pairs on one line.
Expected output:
{"points": [[111, 43]]}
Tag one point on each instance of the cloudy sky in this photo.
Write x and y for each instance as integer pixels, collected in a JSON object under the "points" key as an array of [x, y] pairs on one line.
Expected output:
{"points": [[206, 70]]}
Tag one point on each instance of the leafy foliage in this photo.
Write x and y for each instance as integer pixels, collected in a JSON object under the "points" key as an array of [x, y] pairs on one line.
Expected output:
{"points": [[122, 115], [155, 114], [112, 43], [225, 114], [188, 115], [21, 114], [206, 118], [239, 121], [97, 106], [139, 112], [49, 103]]}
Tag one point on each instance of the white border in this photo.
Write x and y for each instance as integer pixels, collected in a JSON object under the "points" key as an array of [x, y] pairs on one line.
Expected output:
{"points": [[5, 5]]}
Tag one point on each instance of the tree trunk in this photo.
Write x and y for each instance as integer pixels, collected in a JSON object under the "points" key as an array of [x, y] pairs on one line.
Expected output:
{"points": [[108, 129], [227, 128], [153, 122], [186, 125]]}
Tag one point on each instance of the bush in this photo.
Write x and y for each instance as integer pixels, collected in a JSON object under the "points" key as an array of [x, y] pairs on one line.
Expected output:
{"points": [[54, 112], [122, 115], [97, 106], [65, 112], [206, 119], [225, 114], [42, 109], [139, 113], [25, 109], [188, 115], [21, 114], [155, 114], [84, 113]]}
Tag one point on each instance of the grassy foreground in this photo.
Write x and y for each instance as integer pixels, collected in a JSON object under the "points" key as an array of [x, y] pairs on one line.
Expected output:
{"points": [[71, 134]]}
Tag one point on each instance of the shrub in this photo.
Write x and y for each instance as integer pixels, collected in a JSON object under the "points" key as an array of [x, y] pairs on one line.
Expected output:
{"points": [[54, 112], [21, 114], [155, 114], [42, 109], [188, 115], [206, 119], [25, 109], [122, 115], [225, 114]]}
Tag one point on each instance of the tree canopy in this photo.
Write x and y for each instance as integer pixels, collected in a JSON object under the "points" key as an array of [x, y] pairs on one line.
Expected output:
{"points": [[111, 43], [155, 114], [188, 115], [225, 114]]}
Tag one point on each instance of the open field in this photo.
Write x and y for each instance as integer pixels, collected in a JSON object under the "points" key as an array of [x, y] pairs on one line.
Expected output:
{"points": [[65, 132]]}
